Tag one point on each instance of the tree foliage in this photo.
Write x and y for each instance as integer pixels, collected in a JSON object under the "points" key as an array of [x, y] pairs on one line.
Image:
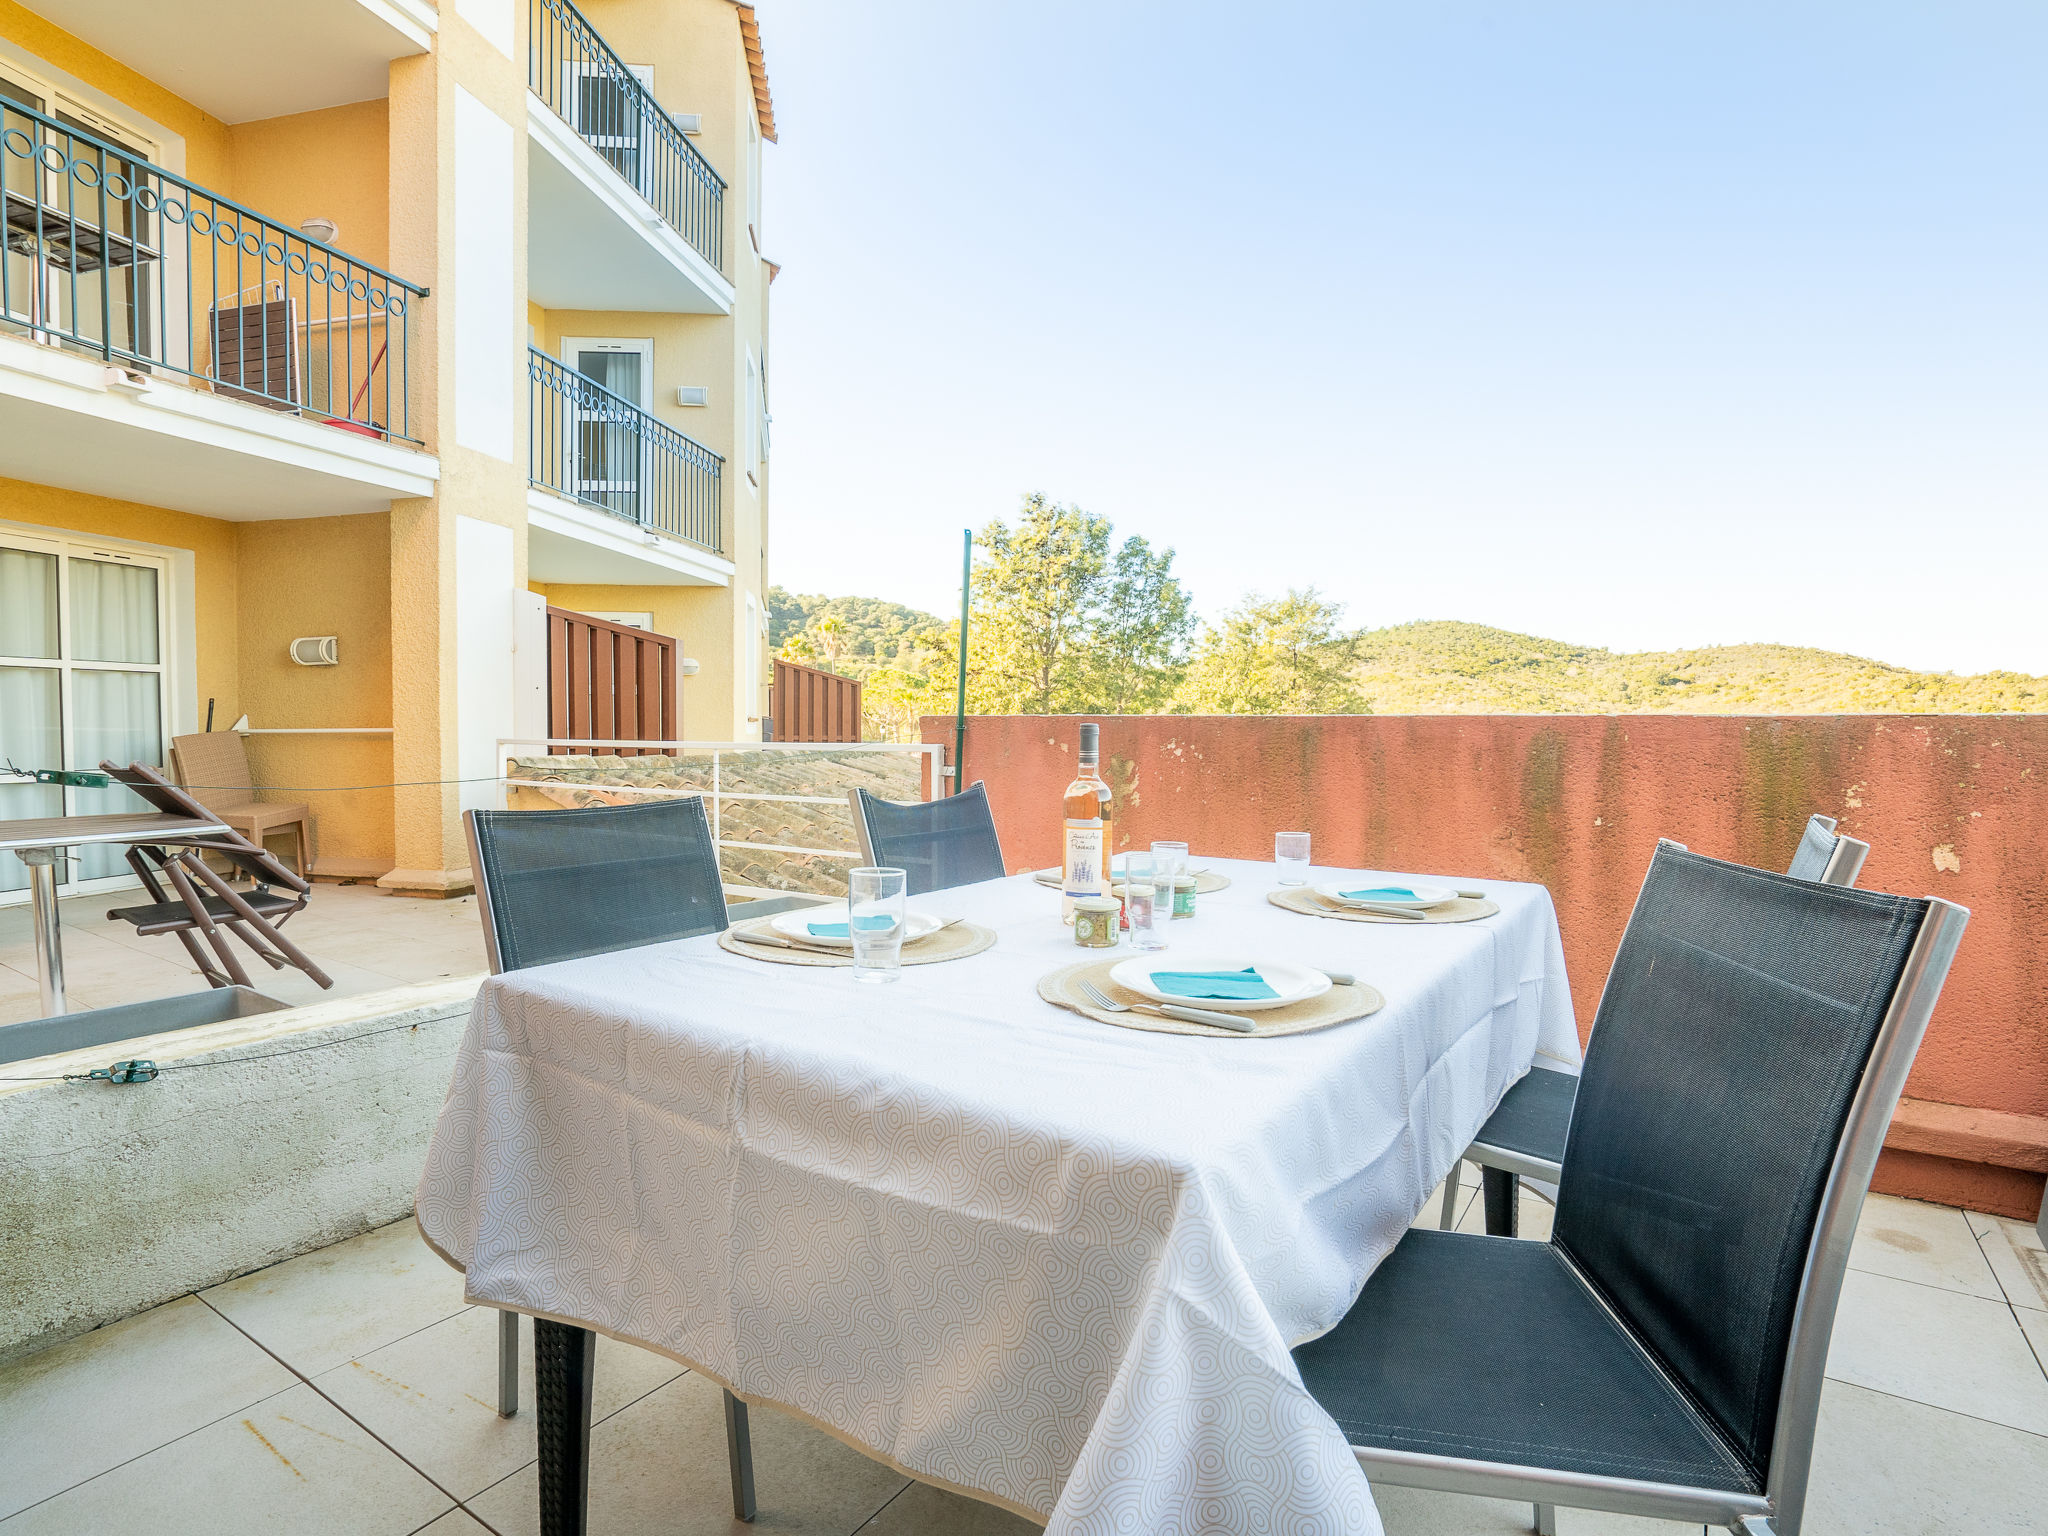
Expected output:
{"points": [[1276, 656], [1065, 622]]}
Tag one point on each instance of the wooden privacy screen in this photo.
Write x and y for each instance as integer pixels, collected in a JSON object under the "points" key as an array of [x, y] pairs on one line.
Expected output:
{"points": [[607, 682], [811, 705]]}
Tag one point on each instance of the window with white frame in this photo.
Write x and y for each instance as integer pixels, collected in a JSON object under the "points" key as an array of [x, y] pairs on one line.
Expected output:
{"points": [[84, 678]]}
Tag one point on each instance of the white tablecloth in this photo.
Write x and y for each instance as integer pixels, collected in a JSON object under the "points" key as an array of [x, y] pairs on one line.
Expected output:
{"points": [[1000, 1246]]}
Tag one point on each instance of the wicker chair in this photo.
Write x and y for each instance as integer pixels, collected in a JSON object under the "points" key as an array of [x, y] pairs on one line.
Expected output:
{"points": [[214, 768]]}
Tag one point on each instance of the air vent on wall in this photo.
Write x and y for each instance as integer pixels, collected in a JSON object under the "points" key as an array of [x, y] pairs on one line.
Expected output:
{"points": [[693, 394]]}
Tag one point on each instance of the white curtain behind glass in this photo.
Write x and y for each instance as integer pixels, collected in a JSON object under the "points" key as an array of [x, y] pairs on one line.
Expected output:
{"points": [[30, 722], [28, 603], [113, 612], [117, 721]]}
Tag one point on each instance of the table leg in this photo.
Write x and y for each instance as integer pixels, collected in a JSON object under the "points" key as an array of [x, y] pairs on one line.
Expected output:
{"points": [[1499, 1190], [564, 1368], [42, 879]]}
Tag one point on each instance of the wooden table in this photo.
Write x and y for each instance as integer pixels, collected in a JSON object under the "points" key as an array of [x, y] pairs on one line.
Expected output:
{"points": [[36, 841]]}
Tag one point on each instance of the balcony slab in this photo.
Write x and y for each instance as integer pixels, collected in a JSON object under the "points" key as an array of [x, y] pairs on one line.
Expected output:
{"points": [[569, 542], [72, 422], [593, 242]]}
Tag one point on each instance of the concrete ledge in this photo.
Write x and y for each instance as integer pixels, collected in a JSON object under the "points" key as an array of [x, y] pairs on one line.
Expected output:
{"points": [[1970, 1134], [288, 1132]]}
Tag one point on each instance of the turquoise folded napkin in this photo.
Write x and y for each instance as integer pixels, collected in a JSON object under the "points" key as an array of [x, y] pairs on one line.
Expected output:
{"points": [[1242, 986], [1380, 893], [838, 930]]}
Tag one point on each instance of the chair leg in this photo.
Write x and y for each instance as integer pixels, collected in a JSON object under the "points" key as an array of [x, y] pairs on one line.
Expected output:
{"points": [[1449, 1218], [564, 1368], [1500, 1190], [508, 1364], [1546, 1520], [739, 1454]]}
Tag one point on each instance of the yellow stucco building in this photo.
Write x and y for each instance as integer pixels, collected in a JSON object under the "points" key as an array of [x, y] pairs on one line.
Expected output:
{"points": [[385, 322]]}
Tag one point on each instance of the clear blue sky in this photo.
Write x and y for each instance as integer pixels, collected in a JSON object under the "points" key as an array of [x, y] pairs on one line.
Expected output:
{"points": [[1634, 324]]}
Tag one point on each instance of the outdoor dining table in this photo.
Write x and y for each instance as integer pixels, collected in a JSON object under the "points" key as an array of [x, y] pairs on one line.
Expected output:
{"points": [[39, 842], [1002, 1247]]}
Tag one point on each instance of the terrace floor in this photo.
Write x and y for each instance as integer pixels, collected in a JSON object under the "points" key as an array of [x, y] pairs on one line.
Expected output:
{"points": [[351, 1390], [366, 939]]}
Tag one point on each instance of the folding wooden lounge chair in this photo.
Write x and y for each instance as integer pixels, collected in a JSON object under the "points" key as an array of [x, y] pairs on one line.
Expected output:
{"points": [[936, 843], [187, 909], [1662, 1355], [1524, 1138]]}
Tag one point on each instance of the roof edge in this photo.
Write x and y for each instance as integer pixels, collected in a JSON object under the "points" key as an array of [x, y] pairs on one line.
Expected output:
{"points": [[757, 67]]}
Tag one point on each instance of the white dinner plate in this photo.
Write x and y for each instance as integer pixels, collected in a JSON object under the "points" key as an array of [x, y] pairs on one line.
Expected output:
{"points": [[1293, 983], [1425, 895], [797, 924]]}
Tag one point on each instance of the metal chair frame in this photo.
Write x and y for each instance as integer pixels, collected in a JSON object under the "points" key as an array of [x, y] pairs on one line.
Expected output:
{"points": [[1501, 1169], [1778, 1512], [561, 1350]]}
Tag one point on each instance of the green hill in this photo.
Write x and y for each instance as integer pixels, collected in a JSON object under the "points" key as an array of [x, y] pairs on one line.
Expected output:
{"points": [[1442, 667]]}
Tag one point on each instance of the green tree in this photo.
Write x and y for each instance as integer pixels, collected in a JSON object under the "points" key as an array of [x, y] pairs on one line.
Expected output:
{"points": [[1063, 623], [1276, 656]]}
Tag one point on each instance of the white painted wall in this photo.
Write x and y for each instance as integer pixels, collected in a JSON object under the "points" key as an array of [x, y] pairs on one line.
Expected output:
{"points": [[485, 637], [530, 665], [486, 328], [492, 18]]}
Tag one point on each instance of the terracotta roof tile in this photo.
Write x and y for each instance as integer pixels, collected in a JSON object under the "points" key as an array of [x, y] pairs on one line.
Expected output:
{"points": [[757, 66]]}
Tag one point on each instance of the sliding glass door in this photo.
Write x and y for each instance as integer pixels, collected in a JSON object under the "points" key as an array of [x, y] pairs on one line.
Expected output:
{"points": [[82, 680]]}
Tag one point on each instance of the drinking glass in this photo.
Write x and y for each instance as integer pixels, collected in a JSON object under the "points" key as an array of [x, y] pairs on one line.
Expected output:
{"points": [[1290, 853], [1141, 902], [874, 919], [1169, 862]]}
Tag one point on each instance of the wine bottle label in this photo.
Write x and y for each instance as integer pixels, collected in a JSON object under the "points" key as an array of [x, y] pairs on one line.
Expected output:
{"points": [[1083, 862]]}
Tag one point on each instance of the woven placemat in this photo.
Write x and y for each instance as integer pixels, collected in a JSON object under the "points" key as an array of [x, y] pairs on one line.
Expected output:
{"points": [[1299, 898], [1206, 880], [1339, 1005], [955, 943]]}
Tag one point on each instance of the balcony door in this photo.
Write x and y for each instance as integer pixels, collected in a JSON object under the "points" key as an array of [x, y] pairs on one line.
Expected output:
{"points": [[83, 636], [605, 110], [607, 449], [80, 251]]}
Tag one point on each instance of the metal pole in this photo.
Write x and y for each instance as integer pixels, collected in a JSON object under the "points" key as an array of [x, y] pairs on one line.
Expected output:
{"points": [[42, 877], [960, 699]]}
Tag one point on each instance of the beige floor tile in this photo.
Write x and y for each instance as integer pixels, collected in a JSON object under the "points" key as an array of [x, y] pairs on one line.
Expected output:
{"points": [[1433, 1208], [2013, 1250], [1532, 1214], [73, 1411], [2035, 1326], [1931, 1244], [1942, 1348], [291, 1463], [433, 1397], [658, 1468], [337, 1304], [1422, 1512], [457, 1522], [921, 1510], [1883, 1464], [1980, 1223]]}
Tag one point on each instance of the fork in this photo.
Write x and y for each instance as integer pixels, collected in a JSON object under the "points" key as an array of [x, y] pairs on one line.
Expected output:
{"points": [[1109, 1004]]}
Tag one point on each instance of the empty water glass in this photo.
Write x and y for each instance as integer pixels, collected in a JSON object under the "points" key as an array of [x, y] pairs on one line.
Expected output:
{"points": [[1169, 863], [1290, 854], [874, 923], [1141, 903]]}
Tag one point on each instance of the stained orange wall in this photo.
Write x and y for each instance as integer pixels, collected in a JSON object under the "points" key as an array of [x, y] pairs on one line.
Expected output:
{"points": [[1952, 806]]}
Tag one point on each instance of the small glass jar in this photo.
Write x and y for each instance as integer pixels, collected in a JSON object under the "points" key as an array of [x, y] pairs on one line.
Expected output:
{"points": [[1095, 921], [1184, 896]]}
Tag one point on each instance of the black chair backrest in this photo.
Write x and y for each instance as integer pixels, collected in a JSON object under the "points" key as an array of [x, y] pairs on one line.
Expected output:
{"points": [[1736, 1025], [557, 885], [936, 843], [258, 863], [1816, 847]]}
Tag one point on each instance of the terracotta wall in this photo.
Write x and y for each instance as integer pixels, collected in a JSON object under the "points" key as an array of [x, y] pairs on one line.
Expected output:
{"points": [[1954, 806]]}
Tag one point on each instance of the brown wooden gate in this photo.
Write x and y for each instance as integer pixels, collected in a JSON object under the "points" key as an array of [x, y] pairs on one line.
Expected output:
{"points": [[812, 705], [607, 682]]}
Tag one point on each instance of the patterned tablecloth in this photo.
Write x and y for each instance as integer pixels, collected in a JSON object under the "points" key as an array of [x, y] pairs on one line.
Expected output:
{"points": [[1000, 1246]]}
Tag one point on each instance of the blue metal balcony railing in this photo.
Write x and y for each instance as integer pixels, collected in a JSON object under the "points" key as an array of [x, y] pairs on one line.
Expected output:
{"points": [[593, 446], [109, 254], [573, 70]]}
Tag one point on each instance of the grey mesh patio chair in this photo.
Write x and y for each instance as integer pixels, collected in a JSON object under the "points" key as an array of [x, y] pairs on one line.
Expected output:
{"points": [[936, 843], [560, 885], [1752, 1042], [1524, 1137]]}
